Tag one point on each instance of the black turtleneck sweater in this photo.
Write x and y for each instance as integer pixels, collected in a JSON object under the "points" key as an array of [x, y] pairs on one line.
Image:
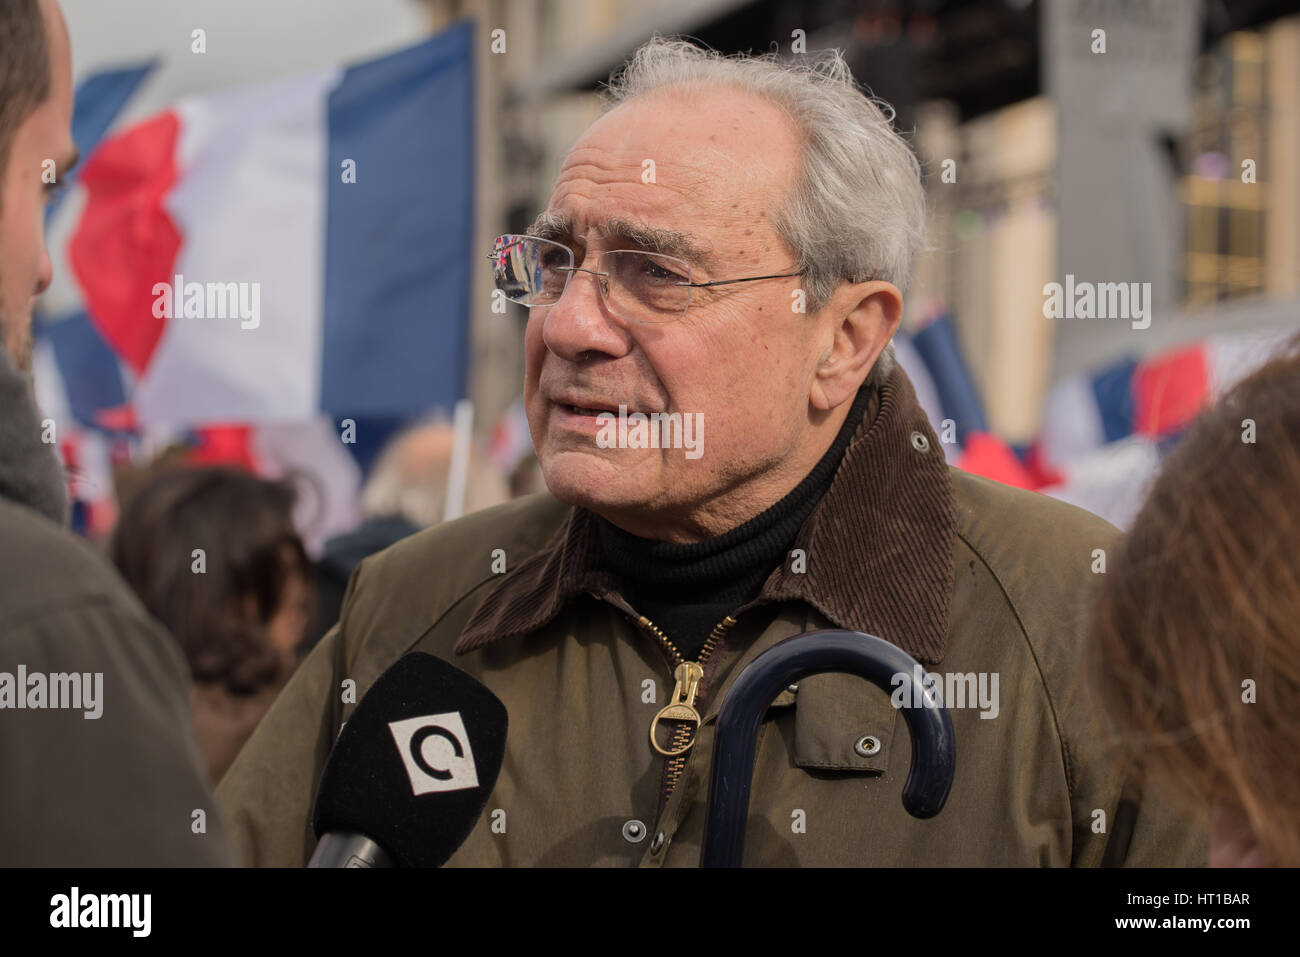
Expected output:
{"points": [[686, 590]]}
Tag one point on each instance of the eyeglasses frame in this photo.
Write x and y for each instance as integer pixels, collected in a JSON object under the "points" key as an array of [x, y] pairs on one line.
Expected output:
{"points": [[604, 276]]}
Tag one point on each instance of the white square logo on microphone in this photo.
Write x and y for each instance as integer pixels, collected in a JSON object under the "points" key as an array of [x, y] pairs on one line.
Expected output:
{"points": [[435, 750]]}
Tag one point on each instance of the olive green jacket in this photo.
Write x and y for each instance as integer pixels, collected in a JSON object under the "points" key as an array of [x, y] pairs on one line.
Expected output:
{"points": [[966, 575]]}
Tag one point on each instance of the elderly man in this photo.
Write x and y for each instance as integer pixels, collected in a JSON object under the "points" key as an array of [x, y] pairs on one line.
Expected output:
{"points": [[727, 245]]}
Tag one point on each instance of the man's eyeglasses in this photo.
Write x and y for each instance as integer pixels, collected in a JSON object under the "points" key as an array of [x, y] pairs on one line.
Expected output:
{"points": [[636, 286]]}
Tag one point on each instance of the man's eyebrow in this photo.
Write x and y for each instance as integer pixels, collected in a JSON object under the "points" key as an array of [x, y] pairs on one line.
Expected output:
{"points": [[668, 242], [551, 226]]}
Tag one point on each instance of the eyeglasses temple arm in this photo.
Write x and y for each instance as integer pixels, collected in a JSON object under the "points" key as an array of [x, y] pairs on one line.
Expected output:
{"points": [[727, 282]]}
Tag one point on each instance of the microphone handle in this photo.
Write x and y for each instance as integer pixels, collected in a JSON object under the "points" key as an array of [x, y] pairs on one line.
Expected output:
{"points": [[349, 849]]}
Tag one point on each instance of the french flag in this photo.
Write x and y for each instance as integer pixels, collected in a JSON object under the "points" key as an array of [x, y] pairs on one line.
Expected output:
{"points": [[932, 358], [290, 250], [1106, 434], [78, 379], [82, 377], [1154, 397]]}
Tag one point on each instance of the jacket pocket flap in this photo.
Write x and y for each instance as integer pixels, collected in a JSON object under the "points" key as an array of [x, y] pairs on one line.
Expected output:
{"points": [[842, 723]]}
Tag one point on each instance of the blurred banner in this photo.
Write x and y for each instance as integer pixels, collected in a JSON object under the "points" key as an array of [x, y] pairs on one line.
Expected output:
{"points": [[1104, 432], [271, 253]]}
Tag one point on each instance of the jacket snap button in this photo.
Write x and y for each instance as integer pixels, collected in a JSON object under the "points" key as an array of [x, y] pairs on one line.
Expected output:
{"points": [[867, 745], [633, 832], [793, 689], [920, 442], [657, 843]]}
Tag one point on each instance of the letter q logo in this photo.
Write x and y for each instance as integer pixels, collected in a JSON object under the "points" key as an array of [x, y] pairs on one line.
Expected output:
{"points": [[435, 750]]}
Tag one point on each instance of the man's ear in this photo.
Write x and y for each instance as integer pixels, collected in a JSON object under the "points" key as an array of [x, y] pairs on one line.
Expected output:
{"points": [[865, 316]]}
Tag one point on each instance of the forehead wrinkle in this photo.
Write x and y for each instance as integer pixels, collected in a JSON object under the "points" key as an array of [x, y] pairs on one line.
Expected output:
{"points": [[683, 180]]}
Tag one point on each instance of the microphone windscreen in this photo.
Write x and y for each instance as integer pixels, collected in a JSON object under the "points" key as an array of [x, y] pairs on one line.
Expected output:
{"points": [[414, 765]]}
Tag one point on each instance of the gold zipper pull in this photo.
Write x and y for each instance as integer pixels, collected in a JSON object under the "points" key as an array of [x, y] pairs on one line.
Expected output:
{"points": [[682, 707]]}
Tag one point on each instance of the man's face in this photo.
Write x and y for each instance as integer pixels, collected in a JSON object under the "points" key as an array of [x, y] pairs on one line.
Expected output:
{"points": [[741, 356], [46, 134]]}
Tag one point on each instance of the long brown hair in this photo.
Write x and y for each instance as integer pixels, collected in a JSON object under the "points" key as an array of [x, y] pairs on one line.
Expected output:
{"points": [[1195, 655], [244, 525]]}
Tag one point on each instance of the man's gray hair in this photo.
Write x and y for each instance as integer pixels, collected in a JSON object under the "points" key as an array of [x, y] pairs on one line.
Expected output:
{"points": [[856, 210]]}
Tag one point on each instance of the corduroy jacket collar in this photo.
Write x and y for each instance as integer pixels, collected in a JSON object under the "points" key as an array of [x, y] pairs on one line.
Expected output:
{"points": [[877, 548]]}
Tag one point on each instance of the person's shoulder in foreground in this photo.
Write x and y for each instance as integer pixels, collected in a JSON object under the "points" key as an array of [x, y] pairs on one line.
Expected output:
{"points": [[100, 768]]}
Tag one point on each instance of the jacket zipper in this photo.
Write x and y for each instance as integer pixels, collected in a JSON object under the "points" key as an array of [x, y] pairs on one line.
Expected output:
{"points": [[683, 708]]}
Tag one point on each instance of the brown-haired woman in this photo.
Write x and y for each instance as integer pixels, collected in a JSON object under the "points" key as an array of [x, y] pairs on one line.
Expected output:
{"points": [[1196, 650], [213, 554]]}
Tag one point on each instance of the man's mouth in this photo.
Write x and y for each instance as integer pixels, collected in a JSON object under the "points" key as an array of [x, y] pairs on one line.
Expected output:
{"points": [[603, 406]]}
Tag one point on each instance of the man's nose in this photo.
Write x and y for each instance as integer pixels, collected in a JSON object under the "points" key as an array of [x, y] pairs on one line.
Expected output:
{"points": [[578, 322], [46, 274]]}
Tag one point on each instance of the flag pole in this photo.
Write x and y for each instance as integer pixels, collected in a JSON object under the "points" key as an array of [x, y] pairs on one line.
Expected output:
{"points": [[463, 431]]}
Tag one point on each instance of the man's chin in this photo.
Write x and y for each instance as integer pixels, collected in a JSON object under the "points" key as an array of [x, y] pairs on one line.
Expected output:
{"points": [[592, 481], [18, 344]]}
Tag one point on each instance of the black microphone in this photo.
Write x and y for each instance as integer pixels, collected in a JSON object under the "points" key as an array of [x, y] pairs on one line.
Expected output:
{"points": [[934, 750], [411, 770]]}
